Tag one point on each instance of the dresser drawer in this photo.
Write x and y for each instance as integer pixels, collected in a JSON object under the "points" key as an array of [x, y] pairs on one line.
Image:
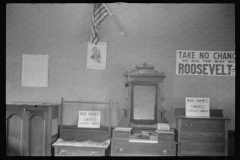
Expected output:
{"points": [[166, 136], [140, 151], [202, 149], [121, 134], [78, 151], [160, 144], [216, 137], [202, 125], [126, 148]]}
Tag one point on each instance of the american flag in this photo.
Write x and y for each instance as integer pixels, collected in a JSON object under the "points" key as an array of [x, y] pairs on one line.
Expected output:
{"points": [[99, 14]]}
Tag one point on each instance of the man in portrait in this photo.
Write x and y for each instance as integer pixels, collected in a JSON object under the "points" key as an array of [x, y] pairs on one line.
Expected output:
{"points": [[96, 55]]}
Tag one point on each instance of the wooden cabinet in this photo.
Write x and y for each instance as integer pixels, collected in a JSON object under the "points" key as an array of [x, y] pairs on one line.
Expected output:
{"points": [[31, 129], [202, 136]]}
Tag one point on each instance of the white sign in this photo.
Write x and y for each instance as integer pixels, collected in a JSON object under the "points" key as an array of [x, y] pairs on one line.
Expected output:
{"points": [[212, 63], [96, 55], [197, 107], [34, 70], [89, 119]]}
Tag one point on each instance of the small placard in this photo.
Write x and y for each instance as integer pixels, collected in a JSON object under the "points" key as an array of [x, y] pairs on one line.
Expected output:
{"points": [[89, 119], [197, 107]]}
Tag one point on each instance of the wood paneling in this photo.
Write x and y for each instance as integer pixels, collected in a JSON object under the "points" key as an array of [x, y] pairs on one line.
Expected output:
{"points": [[36, 136], [29, 129], [14, 128]]}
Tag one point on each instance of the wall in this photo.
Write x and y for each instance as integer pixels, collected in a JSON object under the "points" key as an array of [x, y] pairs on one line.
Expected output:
{"points": [[153, 34]]}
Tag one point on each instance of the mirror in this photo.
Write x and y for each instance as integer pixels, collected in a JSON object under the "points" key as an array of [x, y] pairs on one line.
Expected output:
{"points": [[144, 103]]}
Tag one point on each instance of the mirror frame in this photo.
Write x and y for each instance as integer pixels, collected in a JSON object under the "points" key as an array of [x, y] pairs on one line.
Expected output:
{"points": [[145, 121]]}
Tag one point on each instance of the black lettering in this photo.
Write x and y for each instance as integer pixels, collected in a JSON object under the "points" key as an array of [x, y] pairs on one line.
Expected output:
{"points": [[193, 55], [187, 68], [214, 55], [224, 56], [184, 55], [204, 68], [217, 69], [180, 68], [220, 55], [193, 68], [190, 54], [201, 55], [199, 67], [223, 73], [190, 100], [229, 69], [180, 54], [211, 68]]}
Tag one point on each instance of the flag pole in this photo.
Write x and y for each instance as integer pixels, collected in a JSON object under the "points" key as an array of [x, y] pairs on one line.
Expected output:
{"points": [[119, 27]]}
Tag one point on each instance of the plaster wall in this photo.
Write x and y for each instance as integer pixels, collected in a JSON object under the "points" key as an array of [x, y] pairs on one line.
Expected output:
{"points": [[153, 34]]}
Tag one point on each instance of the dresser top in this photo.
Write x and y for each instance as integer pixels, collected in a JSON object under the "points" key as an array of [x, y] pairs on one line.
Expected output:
{"points": [[31, 103], [211, 117]]}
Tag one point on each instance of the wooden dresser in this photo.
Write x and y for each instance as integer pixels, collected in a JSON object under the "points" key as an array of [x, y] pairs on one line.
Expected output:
{"points": [[74, 133], [69, 133], [31, 128], [120, 145], [202, 136]]}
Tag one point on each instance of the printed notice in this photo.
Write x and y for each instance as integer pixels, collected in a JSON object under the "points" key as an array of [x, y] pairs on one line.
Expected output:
{"points": [[210, 63], [89, 119], [197, 107]]}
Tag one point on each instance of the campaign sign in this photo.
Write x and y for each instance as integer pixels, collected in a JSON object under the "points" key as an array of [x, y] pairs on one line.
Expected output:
{"points": [[89, 119], [197, 107], [209, 63]]}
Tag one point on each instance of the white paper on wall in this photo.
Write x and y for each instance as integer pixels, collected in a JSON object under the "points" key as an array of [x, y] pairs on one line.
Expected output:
{"points": [[35, 70]]}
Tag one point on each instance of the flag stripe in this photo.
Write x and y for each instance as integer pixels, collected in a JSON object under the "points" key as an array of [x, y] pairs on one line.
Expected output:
{"points": [[99, 9], [99, 14], [98, 21]]}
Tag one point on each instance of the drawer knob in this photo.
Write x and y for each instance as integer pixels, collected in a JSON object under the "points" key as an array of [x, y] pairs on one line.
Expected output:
{"points": [[164, 151], [121, 149], [188, 125]]}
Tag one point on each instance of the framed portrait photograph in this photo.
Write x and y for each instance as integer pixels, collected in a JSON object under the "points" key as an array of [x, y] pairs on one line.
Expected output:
{"points": [[96, 55]]}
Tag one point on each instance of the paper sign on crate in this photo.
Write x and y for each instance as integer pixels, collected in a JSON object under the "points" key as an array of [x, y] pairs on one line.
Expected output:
{"points": [[197, 107], [89, 119]]}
